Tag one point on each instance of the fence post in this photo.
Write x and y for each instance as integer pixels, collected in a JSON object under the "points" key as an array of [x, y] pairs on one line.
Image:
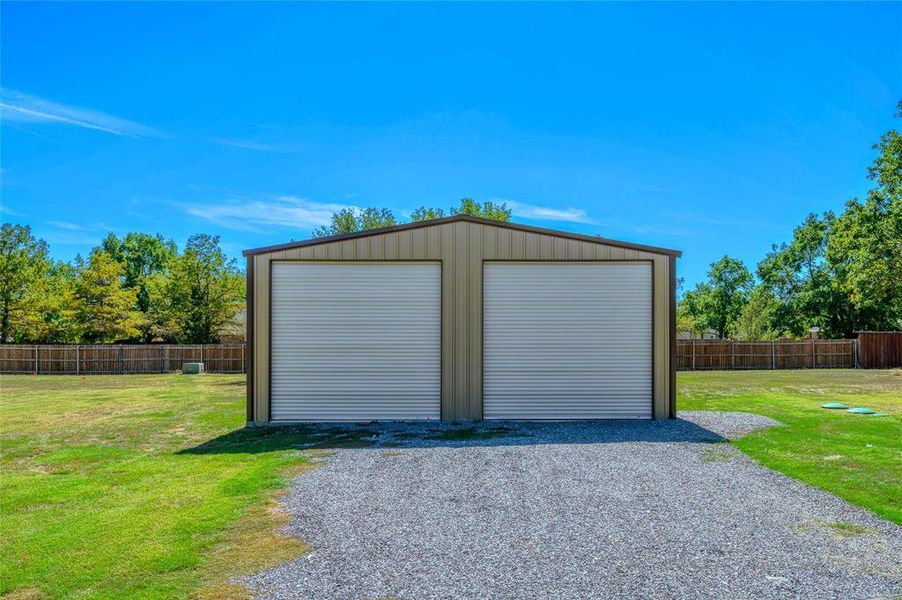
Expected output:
{"points": [[773, 355], [855, 352], [36, 359], [732, 355], [693, 355], [119, 360], [77, 359], [242, 368]]}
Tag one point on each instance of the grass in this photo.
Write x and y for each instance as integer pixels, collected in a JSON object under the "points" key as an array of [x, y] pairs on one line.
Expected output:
{"points": [[856, 457], [150, 486], [141, 486]]}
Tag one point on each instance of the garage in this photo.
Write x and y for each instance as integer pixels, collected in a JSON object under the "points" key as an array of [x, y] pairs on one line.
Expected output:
{"points": [[356, 341], [460, 319], [567, 341]]}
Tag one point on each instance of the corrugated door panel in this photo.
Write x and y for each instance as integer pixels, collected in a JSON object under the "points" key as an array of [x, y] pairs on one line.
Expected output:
{"points": [[354, 341], [567, 340]]}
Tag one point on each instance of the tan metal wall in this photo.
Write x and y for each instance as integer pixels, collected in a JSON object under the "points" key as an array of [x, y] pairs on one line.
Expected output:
{"points": [[462, 247]]}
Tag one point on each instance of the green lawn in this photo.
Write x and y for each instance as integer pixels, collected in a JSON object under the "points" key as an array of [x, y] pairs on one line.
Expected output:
{"points": [[99, 500], [856, 457], [149, 487]]}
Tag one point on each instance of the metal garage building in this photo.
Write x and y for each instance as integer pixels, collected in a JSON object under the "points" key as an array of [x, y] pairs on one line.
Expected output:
{"points": [[460, 318]]}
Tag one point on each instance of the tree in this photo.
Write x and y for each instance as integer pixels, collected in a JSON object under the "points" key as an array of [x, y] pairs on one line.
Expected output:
{"points": [[865, 248], [758, 321], [143, 256], [203, 293], [53, 320], [104, 309], [427, 214], [486, 210], [23, 262], [467, 206], [686, 323], [803, 282], [717, 303], [351, 220]]}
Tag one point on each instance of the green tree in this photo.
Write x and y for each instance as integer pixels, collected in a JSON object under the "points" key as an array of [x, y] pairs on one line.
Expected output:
{"points": [[717, 303], [865, 248], [144, 256], [758, 319], [53, 320], [104, 309], [467, 206], [803, 282], [23, 263], [486, 210], [427, 214], [351, 220], [203, 293]]}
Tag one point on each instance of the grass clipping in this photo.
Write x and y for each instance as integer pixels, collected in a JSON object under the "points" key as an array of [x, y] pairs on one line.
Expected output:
{"points": [[253, 543]]}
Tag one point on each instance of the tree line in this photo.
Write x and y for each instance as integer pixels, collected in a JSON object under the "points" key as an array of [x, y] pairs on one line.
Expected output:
{"points": [[135, 288], [840, 272], [141, 288]]}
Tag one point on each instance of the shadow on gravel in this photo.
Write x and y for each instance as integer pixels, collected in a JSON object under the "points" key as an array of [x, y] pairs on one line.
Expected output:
{"points": [[419, 434]]}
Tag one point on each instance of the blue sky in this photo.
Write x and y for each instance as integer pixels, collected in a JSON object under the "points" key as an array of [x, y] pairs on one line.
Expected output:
{"points": [[712, 128]]}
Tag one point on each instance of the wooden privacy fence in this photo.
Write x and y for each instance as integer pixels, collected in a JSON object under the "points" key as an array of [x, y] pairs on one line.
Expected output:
{"points": [[119, 359], [726, 355], [880, 349]]}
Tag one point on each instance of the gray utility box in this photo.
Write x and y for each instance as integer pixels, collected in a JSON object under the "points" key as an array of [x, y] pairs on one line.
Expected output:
{"points": [[192, 368]]}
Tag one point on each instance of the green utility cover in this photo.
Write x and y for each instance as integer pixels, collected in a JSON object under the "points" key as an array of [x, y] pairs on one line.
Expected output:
{"points": [[861, 411], [834, 405], [880, 415]]}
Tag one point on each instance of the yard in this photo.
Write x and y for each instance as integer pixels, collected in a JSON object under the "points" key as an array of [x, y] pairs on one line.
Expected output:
{"points": [[856, 457], [129, 486]]}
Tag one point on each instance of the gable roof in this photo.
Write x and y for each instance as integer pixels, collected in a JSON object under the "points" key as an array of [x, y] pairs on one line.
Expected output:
{"points": [[468, 219]]}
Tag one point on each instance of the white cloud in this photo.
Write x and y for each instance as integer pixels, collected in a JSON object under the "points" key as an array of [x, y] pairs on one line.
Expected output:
{"points": [[548, 213], [16, 106], [250, 145], [287, 212], [67, 225]]}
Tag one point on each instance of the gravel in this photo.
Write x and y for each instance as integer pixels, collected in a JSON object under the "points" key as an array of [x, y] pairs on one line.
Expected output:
{"points": [[610, 509]]}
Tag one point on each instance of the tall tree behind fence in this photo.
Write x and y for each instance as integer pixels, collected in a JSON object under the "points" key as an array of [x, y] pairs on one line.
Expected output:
{"points": [[119, 359]]}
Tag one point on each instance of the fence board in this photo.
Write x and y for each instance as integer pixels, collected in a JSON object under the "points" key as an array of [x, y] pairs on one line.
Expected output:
{"points": [[880, 349], [99, 359]]}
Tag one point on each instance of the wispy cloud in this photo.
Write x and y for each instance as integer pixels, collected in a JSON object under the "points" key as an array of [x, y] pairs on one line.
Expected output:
{"points": [[251, 145], [548, 213], [68, 226], [17, 106], [288, 212]]}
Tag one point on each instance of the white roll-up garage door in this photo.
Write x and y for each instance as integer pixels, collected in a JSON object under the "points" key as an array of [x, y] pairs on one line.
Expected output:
{"points": [[355, 341], [567, 341]]}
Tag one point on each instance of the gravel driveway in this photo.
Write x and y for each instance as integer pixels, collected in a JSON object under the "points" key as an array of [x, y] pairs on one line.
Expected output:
{"points": [[648, 509]]}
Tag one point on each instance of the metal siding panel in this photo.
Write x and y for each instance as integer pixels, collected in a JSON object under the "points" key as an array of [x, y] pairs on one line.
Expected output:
{"points": [[356, 341], [461, 329], [449, 333], [405, 243], [567, 340], [474, 321], [503, 244], [391, 246], [489, 243], [261, 338]]}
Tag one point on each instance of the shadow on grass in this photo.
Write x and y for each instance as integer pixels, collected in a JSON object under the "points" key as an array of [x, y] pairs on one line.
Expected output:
{"points": [[420, 434]]}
